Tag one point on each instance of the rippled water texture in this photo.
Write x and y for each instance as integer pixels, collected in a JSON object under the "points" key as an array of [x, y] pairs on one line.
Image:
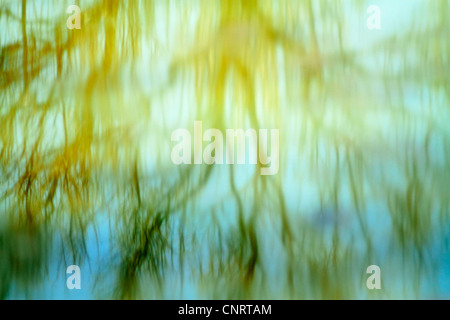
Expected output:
{"points": [[86, 176]]}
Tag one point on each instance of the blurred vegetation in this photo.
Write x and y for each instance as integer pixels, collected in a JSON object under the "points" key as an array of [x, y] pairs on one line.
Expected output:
{"points": [[85, 123]]}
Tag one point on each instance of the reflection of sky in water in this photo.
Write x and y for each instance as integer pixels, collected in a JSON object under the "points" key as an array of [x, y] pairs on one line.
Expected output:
{"points": [[396, 18]]}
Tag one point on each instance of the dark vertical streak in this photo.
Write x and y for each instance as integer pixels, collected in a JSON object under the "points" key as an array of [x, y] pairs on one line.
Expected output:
{"points": [[59, 52]]}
